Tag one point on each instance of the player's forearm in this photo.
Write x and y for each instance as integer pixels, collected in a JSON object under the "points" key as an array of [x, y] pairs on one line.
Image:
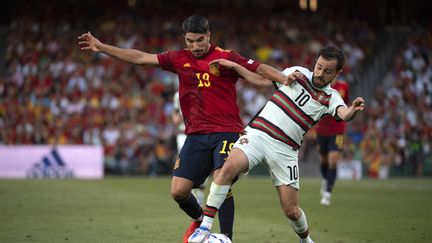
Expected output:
{"points": [[129, 55], [252, 77], [271, 73], [347, 114]]}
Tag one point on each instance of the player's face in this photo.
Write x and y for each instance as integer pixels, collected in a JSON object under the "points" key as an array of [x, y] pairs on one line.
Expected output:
{"points": [[324, 72], [198, 44]]}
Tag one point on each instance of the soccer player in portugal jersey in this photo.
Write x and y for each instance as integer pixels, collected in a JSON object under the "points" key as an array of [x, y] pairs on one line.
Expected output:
{"points": [[275, 135], [209, 105], [330, 136]]}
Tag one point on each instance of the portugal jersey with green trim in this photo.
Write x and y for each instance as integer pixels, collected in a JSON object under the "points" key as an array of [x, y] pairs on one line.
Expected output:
{"points": [[294, 109]]}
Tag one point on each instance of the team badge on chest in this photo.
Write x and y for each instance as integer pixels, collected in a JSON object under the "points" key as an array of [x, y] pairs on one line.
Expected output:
{"points": [[214, 69]]}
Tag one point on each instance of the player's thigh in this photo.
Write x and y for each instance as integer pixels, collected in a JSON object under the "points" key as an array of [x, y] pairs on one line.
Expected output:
{"points": [[336, 142], [195, 160], [282, 163], [323, 145], [223, 143], [336, 145], [236, 163], [251, 146]]}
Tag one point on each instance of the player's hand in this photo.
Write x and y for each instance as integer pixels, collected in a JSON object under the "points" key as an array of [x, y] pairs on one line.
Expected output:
{"points": [[358, 104], [223, 62], [292, 77], [88, 42]]}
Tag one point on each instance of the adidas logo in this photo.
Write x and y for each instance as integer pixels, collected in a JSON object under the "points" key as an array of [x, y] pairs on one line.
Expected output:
{"points": [[50, 166]]}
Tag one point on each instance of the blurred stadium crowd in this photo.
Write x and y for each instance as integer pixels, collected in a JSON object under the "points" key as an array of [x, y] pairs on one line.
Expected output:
{"points": [[52, 93], [397, 130]]}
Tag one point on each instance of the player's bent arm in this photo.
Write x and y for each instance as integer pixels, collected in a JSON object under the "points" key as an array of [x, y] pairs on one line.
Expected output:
{"points": [[252, 77], [271, 73], [245, 73], [347, 114]]}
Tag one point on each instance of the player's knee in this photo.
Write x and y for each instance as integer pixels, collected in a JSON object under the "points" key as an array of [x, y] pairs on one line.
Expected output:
{"points": [[292, 212], [323, 159], [179, 194], [229, 170], [226, 174], [334, 157]]}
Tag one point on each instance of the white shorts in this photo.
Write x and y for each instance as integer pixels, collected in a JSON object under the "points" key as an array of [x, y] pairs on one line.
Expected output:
{"points": [[281, 159]]}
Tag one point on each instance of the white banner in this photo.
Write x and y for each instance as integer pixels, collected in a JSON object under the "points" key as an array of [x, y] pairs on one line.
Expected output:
{"points": [[351, 170], [44, 161]]}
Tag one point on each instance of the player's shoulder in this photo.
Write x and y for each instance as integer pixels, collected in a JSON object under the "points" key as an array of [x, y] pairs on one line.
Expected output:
{"points": [[303, 70], [219, 52], [180, 52], [332, 91], [175, 56], [220, 49]]}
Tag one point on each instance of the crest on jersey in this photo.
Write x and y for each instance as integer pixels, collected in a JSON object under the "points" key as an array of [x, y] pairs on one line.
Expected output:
{"points": [[243, 141], [214, 69]]}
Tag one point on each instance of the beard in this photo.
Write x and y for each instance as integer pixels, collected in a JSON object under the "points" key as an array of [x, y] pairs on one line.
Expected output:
{"points": [[319, 82]]}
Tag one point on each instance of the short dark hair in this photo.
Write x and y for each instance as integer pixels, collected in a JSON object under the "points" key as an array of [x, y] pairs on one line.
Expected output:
{"points": [[333, 52], [196, 24]]}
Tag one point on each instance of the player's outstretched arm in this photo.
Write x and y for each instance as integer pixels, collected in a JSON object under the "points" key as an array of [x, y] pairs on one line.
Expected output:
{"points": [[242, 71], [272, 73], [88, 42], [349, 113]]}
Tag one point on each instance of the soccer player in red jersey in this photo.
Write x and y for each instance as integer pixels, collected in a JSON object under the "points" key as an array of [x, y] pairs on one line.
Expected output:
{"points": [[330, 136], [208, 102]]}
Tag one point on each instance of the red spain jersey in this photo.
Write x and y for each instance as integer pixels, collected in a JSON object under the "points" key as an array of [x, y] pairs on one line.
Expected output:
{"points": [[328, 126], [208, 97]]}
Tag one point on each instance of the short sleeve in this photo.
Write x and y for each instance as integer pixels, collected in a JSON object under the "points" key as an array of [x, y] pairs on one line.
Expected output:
{"points": [[249, 64], [335, 102], [165, 61]]}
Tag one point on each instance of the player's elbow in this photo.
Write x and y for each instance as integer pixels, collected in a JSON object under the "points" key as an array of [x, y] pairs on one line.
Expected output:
{"points": [[146, 59], [262, 71]]}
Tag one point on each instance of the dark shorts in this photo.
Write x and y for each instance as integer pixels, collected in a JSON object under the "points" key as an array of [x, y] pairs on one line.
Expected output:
{"points": [[330, 143], [202, 154]]}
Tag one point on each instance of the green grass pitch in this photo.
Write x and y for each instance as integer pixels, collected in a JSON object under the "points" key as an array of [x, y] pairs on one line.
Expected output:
{"points": [[140, 209]]}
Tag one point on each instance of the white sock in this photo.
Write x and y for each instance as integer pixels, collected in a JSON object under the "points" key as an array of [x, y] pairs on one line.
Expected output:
{"points": [[300, 226], [215, 199]]}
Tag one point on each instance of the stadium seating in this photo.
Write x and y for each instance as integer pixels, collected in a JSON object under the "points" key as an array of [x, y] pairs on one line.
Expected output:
{"points": [[54, 94]]}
